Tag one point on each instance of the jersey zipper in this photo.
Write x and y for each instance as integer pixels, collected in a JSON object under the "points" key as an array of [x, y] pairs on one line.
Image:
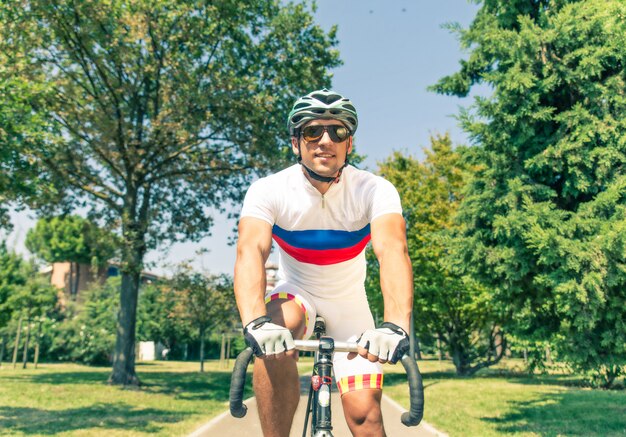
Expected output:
{"points": [[323, 202]]}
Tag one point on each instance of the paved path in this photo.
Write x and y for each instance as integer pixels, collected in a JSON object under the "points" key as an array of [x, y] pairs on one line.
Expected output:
{"points": [[225, 425]]}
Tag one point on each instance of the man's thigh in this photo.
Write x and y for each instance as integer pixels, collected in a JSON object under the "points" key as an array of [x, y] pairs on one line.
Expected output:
{"points": [[287, 313], [292, 307]]}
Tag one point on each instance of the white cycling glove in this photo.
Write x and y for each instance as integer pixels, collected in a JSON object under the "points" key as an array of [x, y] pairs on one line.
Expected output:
{"points": [[388, 342], [266, 338]]}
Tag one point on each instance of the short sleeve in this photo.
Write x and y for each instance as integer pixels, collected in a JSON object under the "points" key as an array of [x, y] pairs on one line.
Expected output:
{"points": [[384, 199], [258, 203]]}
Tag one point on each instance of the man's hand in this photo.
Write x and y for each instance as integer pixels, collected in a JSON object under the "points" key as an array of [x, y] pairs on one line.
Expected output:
{"points": [[388, 343], [268, 339]]}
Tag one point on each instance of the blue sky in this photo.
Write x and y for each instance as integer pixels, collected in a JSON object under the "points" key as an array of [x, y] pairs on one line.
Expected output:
{"points": [[392, 50]]}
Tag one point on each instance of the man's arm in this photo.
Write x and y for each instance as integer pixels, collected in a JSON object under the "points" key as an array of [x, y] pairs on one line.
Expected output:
{"points": [[388, 342], [396, 273], [253, 248]]}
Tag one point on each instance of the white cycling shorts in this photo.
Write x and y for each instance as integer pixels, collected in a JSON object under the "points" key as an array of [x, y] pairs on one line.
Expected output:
{"points": [[346, 319]]}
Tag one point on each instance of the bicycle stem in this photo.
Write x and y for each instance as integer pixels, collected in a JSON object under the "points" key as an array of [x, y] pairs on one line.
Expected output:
{"points": [[314, 346]]}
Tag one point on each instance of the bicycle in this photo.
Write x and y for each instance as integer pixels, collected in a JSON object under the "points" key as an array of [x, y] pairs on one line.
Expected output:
{"points": [[318, 404]]}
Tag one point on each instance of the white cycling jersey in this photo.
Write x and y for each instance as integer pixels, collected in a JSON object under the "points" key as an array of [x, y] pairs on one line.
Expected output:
{"points": [[321, 238], [321, 241]]}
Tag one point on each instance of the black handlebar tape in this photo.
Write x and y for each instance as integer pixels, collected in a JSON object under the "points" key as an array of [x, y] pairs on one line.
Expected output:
{"points": [[416, 393], [237, 383]]}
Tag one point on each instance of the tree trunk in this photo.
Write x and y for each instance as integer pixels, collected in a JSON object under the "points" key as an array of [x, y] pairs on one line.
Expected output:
{"points": [[439, 347], [498, 342], [71, 280], [76, 281], [124, 355], [25, 353], [548, 355], [223, 351], [36, 360], [2, 346], [459, 358], [228, 350], [418, 349], [134, 230], [201, 350], [17, 340]]}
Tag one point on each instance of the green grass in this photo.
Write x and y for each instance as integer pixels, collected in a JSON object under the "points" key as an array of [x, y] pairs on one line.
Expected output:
{"points": [[73, 400], [502, 401], [175, 399]]}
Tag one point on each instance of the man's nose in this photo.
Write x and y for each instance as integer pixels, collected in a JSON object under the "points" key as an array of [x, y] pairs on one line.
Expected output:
{"points": [[325, 139]]}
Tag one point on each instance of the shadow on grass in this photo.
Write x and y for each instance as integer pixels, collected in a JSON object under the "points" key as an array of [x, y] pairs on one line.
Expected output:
{"points": [[506, 375], [61, 378], [190, 386], [573, 412], [103, 416], [180, 385]]}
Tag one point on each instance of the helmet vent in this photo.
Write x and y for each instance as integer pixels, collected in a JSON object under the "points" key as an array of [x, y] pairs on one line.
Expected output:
{"points": [[331, 98]]}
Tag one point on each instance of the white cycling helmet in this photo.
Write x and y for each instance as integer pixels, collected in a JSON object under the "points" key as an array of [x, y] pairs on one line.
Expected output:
{"points": [[322, 104]]}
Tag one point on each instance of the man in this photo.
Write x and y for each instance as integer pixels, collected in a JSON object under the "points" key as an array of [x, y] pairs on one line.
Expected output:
{"points": [[322, 212]]}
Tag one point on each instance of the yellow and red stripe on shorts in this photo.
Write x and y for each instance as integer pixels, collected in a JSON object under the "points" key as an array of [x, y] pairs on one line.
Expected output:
{"points": [[296, 299], [359, 382]]}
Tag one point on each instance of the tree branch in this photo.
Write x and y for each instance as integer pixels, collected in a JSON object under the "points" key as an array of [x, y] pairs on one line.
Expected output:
{"points": [[89, 141], [88, 188], [196, 170]]}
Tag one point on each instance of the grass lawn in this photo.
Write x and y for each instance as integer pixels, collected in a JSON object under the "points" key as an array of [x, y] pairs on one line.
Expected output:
{"points": [[500, 402], [73, 400], [175, 399]]}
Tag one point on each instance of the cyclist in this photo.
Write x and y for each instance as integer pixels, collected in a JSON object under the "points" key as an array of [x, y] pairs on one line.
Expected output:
{"points": [[322, 212]]}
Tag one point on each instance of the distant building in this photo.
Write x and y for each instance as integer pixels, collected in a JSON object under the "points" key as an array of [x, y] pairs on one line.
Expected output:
{"points": [[72, 278]]}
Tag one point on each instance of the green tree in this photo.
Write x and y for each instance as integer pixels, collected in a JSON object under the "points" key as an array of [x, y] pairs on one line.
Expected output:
{"points": [[159, 319], [31, 302], [13, 274], [544, 218], [206, 301], [71, 239], [86, 334], [163, 109], [450, 305], [23, 180]]}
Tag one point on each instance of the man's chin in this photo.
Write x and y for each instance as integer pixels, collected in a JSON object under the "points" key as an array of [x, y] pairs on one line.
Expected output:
{"points": [[325, 171]]}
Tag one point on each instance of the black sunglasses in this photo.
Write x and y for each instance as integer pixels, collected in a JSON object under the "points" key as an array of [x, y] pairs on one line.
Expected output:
{"points": [[337, 133]]}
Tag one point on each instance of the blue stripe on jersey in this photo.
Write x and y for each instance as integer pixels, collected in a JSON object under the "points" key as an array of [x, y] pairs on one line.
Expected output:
{"points": [[321, 239]]}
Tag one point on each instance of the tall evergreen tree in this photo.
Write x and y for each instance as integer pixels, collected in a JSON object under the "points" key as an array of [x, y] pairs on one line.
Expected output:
{"points": [[162, 109], [448, 305], [545, 217]]}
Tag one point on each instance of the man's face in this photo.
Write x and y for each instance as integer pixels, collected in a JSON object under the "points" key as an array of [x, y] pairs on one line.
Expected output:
{"points": [[324, 156]]}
